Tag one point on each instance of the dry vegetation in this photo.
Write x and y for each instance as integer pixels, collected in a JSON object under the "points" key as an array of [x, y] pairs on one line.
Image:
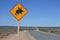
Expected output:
{"points": [[5, 31], [55, 30]]}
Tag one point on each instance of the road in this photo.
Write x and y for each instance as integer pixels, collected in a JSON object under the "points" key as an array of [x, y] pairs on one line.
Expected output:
{"points": [[33, 35], [39, 35]]}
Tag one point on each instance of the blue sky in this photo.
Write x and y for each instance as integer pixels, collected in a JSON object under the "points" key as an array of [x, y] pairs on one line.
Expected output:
{"points": [[40, 13]]}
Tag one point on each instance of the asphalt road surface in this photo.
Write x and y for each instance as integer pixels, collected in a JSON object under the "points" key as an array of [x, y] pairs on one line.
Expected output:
{"points": [[44, 36]]}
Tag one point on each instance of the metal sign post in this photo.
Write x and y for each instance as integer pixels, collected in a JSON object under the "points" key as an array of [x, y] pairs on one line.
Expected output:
{"points": [[18, 11], [18, 30]]}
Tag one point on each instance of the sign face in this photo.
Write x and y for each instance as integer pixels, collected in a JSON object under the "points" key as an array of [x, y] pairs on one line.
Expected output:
{"points": [[18, 11]]}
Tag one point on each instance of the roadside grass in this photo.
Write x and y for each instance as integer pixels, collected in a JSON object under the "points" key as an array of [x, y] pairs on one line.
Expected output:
{"points": [[55, 31], [43, 30]]}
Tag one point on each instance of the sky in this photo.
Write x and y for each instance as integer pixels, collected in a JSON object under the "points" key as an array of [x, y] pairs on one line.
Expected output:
{"points": [[40, 13]]}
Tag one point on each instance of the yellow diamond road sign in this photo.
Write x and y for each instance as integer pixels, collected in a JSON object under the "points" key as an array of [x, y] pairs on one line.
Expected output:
{"points": [[18, 11]]}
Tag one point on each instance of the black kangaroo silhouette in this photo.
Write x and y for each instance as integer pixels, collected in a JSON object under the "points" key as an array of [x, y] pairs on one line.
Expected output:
{"points": [[19, 11]]}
